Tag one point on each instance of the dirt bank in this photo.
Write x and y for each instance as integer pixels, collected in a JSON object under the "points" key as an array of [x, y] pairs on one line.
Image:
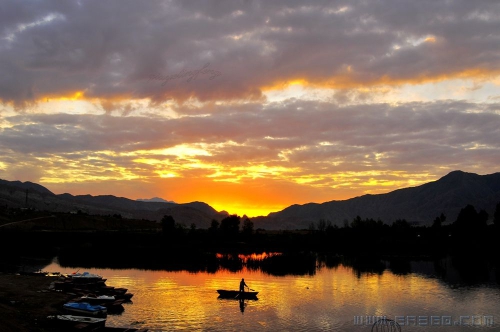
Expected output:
{"points": [[26, 301]]}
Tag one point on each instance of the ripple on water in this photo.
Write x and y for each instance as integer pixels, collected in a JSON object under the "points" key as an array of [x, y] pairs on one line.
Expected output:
{"points": [[327, 301]]}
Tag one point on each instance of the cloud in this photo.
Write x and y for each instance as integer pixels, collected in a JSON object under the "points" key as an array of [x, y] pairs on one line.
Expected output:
{"points": [[110, 50], [287, 141], [332, 99]]}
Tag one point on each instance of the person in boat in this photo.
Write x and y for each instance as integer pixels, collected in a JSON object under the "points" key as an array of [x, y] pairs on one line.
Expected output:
{"points": [[242, 285]]}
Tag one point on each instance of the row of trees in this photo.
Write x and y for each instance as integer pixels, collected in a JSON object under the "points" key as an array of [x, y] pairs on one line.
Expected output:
{"points": [[468, 220], [229, 226], [469, 233]]}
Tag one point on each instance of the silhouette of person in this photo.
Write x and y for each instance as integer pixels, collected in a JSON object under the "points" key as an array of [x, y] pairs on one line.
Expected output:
{"points": [[242, 285]]}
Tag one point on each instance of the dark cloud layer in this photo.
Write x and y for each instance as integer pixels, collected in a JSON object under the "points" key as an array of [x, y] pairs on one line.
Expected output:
{"points": [[310, 138], [111, 49]]}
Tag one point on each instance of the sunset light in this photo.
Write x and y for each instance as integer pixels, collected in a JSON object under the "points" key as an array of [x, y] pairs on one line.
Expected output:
{"points": [[221, 165], [284, 105]]}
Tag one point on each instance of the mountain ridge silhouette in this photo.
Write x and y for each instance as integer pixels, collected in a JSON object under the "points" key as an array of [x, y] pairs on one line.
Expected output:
{"points": [[418, 205]]}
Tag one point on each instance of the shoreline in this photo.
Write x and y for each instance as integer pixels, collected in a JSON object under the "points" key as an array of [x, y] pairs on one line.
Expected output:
{"points": [[27, 300]]}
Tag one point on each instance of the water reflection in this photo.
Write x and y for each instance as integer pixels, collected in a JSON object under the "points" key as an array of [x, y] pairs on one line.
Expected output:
{"points": [[300, 291], [242, 305], [242, 302], [365, 264], [295, 263], [326, 300], [455, 270], [400, 266]]}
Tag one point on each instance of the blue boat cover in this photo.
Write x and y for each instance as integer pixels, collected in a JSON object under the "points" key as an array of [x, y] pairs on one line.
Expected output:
{"points": [[84, 306]]}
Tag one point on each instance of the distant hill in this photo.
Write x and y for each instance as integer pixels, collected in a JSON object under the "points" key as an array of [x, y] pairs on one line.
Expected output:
{"points": [[26, 186], [421, 204], [154, 199], [27, 194]]}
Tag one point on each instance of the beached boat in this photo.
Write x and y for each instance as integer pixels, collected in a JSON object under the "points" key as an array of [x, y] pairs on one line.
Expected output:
{"points": [[85, 309], [94, 299], [234, 294], [115, 307], [119, 291], [127, 297], [85, 277], [70, 321]]}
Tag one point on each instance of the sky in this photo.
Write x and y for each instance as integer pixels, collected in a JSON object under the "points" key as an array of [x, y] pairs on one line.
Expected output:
{"points": [[249, 106]]}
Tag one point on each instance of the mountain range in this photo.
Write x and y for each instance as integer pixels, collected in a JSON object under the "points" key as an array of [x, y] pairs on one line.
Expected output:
{"points": [[18, 194], [418, 205], [154, 199]]}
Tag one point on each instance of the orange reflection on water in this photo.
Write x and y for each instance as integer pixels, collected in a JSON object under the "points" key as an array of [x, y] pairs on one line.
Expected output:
{"points": [[244, 258], [325, 301]]}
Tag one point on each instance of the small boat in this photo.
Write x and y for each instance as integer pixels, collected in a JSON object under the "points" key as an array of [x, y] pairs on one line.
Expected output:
{"points": [[126, 296], [70, 321], [85, 309], [234, 294], [94, 299], [119, 291], [115, 307], [85, 277]]}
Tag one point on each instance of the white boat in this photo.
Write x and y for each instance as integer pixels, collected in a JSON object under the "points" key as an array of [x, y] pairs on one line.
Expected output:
{"points": [[85, 274], [85, 277]]}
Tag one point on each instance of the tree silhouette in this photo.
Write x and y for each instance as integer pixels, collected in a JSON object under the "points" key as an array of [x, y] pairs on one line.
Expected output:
{"points": [[192, 228], [167, 224], [401, 224], [214, 227], [247, 226], [357, 222], [323, 224], [496, 216], [230, 226], [482, 218], [438, 222], [469, 219]]}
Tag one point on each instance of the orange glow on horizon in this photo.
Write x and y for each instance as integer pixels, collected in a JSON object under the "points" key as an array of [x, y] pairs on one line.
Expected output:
{"points": [[252, 197], [248, 211]]}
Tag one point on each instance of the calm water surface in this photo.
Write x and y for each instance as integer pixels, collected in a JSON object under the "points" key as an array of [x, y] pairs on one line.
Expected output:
{"points": [[333, 299]]}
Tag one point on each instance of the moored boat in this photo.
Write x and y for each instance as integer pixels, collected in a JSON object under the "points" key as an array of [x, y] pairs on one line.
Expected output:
{"points": [[94, 299], [119, 291], [115, 307], [85, 309], [126, 297], [234, 294], [85, 277]]}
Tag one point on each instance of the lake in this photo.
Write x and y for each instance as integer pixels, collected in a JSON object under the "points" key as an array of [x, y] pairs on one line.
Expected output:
{"points": [[424, 297]]}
